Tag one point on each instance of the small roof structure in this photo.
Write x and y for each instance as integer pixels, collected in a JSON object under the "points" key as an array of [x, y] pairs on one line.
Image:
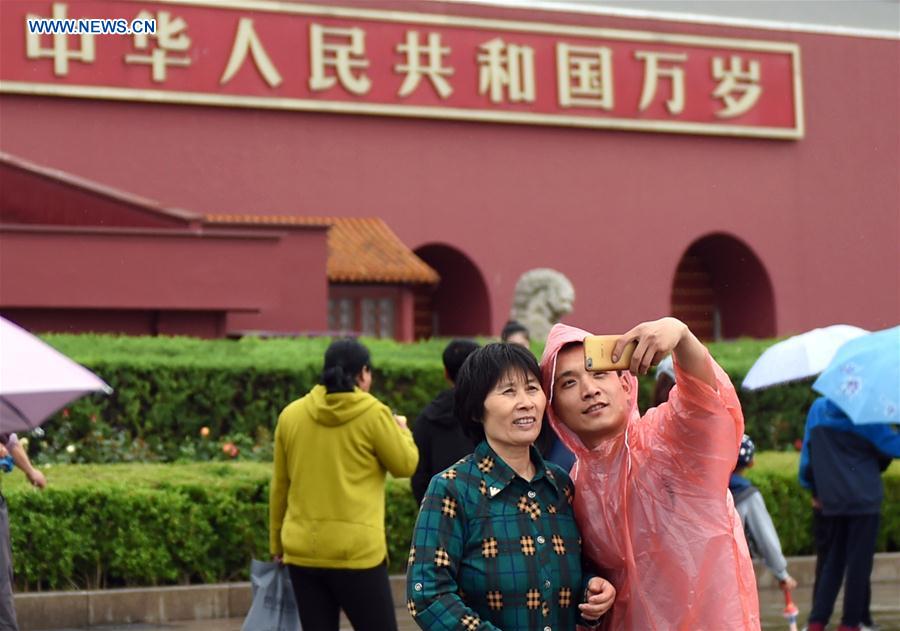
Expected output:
{"points": [[360, 250]]}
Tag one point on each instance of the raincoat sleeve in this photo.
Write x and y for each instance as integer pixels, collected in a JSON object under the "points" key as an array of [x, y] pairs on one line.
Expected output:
{"points": [[394, 446], [278, 492], [438, 544], [700, 428]]}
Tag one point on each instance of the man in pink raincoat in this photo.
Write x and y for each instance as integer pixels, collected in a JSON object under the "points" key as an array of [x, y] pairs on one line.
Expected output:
{"points": [[651, 492]]}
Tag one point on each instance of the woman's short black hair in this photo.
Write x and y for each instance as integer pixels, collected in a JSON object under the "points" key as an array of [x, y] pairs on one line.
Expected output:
{"points": [[478, 376], [344, 360]]}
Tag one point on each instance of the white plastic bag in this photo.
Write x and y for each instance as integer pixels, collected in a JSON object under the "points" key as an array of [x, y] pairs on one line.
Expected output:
{"points": [[274, 607]]}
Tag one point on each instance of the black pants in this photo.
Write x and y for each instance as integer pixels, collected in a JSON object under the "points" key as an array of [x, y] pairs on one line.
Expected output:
{"points": [[364, 595], [845, 546]]}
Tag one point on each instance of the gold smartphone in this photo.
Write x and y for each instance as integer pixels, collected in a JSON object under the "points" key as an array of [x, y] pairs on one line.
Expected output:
{"points": [[598, 353]]}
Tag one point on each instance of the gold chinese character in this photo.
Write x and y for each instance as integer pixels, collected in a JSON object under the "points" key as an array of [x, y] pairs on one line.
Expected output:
{"points": [[247, 41], [584, 76], [337, 54], [508, 65], [736, 80], [652, 73], [60, 52], [414, 70], [170, 37]]}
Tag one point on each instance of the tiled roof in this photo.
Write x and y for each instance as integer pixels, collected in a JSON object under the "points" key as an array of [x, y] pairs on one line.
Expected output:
{"points": [[360, 250], [270, 220]]}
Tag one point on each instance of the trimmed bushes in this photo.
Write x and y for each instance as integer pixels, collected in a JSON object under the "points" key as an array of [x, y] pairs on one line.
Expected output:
{"points": [[101, 526], [168, 389], [127, 525]]}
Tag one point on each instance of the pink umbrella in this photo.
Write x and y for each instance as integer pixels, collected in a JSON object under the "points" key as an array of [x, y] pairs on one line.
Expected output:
{"points": [[37, 380]]}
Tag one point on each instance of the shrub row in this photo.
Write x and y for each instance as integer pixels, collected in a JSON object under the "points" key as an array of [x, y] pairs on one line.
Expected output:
{"points": [[128, 525], [168, 389]]}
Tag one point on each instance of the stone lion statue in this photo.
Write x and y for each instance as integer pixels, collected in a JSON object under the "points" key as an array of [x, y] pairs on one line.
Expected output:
{"points": [[542, 297]]}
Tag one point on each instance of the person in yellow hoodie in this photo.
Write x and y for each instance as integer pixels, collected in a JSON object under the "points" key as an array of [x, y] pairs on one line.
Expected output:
{"points": [[333, 448]]}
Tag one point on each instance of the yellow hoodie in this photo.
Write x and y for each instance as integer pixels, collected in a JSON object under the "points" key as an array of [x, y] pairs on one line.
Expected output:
{"points": [[326, 502]]}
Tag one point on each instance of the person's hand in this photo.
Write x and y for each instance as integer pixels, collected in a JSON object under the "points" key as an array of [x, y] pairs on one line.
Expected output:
{"points": [[817, 503], [600, 597], [37, 478], [400, 420], [655, 340], [278, 558], [3, 451], [788, 583]]}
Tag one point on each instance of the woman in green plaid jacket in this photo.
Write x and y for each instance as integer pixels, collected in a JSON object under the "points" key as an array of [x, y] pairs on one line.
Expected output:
{"points": [[495, 545]]}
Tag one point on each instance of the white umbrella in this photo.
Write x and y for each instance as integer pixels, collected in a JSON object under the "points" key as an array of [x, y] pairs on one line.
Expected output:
{"points": [[799, 357], [37, 380]]}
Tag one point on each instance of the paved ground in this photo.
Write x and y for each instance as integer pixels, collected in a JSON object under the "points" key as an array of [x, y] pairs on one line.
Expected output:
{"points": [[885, 610]]}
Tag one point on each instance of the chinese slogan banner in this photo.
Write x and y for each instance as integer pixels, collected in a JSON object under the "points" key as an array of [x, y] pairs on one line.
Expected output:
{"points": [[303, 57]]}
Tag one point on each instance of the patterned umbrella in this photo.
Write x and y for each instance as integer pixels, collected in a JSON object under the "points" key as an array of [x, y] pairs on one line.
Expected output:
{"points": [[863, 379]]}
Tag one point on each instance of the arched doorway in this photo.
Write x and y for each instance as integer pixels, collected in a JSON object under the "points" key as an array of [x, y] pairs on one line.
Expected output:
{"points": [[722, 291], [459, 306]]}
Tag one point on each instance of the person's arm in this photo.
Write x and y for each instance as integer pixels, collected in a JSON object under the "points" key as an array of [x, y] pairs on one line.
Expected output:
{"points": [[599, 593], [883, 436], [658, 338], [278, 491], [394, 445], [21, 459], [805, 470], [438, 543], [422, 476], [760, 527], [700, 427]]}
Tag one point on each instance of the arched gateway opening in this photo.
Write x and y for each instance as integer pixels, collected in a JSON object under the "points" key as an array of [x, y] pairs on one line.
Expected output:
{"points": [[459, 305], [722, 291]]}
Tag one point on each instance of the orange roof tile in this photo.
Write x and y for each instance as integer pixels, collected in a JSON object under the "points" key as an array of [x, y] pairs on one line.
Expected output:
{"points": [[360, 250]]}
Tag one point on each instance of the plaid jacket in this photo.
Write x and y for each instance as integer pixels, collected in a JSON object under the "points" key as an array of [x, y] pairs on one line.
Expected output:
{"points": [[492, 551]]}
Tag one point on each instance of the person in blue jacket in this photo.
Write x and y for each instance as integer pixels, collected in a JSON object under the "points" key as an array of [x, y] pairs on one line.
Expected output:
{"points": [[841, 463]]}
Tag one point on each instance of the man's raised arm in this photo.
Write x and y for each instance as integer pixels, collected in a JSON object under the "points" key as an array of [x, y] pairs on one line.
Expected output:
{"points": [[667, 335]]}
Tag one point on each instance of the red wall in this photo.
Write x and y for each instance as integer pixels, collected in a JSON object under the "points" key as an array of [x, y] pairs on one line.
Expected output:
{"points": [[161, 279], [26, 197], [612, 210]]}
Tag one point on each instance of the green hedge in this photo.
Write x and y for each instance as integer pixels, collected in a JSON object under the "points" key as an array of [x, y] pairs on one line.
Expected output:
{"points": [[127, 525], [101, 526], [167, 389]]}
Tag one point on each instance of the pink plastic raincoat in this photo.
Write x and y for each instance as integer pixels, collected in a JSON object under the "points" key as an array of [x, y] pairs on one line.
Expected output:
{"points": [[654, 508]]}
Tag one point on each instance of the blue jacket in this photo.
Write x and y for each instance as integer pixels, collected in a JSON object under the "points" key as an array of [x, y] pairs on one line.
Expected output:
{"points": [[841, 462]]}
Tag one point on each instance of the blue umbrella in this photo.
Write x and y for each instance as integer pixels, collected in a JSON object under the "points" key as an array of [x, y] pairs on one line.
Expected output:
{"points": [[863, 379]]}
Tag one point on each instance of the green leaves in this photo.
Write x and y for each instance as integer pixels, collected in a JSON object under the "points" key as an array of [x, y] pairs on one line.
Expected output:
{"points": [[127, 525]]}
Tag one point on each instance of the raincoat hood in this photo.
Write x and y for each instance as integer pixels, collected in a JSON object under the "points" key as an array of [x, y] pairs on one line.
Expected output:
{"points": [[559, 336], [338, 408]]}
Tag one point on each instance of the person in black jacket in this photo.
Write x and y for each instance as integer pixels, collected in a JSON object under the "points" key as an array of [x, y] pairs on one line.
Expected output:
{"points": [[841, 463], [437, 433]]}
